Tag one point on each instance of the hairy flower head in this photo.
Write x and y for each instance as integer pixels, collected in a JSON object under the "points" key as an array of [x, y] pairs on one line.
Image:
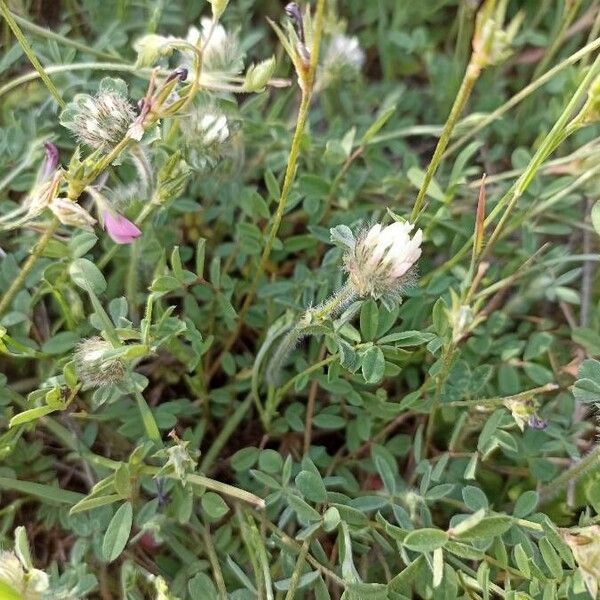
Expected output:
{"points": [[343, 59], [221, 54], [95, 363], [103, 120], [205, 136], [379, 262]]}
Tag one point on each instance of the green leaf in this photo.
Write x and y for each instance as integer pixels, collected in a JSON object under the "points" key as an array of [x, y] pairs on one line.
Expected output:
{"points": [[214, 506], [60, 343], [417, 177], [588, 339], [22, 548], [375, 127], [425, 540], [486, 528], [49, 493], [122, 480], [369, 320], [373, 364], [311, 486], [474, 498], [407, 338], [521, 560], [525, 504], [117, 533], [85, 274], [284, 584], [30, 415], [90, 502], [537, 344], [551, 558]]}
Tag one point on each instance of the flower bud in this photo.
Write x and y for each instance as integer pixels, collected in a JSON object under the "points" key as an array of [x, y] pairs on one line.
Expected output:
{"points": [[218, 7], [28, 584], [257, 76], [51, 161], [96, 364], [72, 214], [343, 59], [380, 261], [590, 112], [491, 42], [524, 413], [100, 121], [152, 47]]}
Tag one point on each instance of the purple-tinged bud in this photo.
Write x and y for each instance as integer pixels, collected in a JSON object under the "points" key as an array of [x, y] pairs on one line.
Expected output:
{"points": [[180, 73], [51, 161], [293, 12], [536, 422]]}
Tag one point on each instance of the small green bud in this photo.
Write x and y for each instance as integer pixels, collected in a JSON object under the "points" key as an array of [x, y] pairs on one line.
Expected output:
{"points": [[257, 76], [590, 113], [150, 48], [218, 7]]}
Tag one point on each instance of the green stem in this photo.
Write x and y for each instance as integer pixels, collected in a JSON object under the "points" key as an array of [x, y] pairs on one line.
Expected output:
{"points": [[439, 384], [68, 68], [295, 578], [230, 425], [19, 281], [521, 95], [51, 35], [555, 487], [571, 9], [288, 179], [214, 562], [291, 543], [216, 486], [466, 87], [510, 198], [30, 53]]}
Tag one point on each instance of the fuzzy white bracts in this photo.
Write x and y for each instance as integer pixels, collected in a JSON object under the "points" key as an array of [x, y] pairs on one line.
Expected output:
{"points": [[95, 363], [103, 120]]}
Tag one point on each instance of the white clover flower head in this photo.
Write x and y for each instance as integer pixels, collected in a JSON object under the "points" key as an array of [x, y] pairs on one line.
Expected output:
{"points": [[28, 584], [206, 136], [95, 363], [380, 262], [344, 51], [221, 50], [342, 60]]}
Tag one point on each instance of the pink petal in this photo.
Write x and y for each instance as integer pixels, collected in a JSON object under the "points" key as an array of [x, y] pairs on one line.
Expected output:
{"points": [[120, 229]]}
